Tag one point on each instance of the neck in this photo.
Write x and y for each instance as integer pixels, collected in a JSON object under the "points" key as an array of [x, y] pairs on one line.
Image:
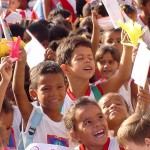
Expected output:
{"points": [[113, 129], [144, 17], [94, 148], [53, 115], [78, 88]]}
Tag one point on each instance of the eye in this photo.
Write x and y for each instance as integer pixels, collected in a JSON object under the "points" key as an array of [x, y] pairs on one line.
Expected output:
{"points": [[111, 62], [100, 116], [91, 58], [45, 89], [80, 58], [106, 106], [119, 41], [110, 41], [102, 62], [88, 122], [60, 86]]}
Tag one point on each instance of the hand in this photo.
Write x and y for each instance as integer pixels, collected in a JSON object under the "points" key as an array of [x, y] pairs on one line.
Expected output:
{"points": [[50, 54], [23, 55], [6, 69], [95, 16]]}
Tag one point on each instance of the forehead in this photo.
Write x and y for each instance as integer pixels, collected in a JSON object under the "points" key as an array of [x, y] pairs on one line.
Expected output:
{"points": [[112, 98], [82, 50], [50, 78], [88, 111], [107, 55], [112, 34]]}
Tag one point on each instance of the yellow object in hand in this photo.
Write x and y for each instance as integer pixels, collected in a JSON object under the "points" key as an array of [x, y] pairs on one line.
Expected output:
{"points": [[134, 31]]}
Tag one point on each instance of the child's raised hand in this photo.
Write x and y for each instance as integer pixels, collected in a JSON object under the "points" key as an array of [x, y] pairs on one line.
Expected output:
{"points": [[50, 54], [23, 55], [95, 16], [6, 69]]}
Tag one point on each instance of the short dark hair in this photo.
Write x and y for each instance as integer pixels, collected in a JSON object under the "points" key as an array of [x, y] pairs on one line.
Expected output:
{"points": [[58, 32], [40, 30], [44, 67], [66, 48]]}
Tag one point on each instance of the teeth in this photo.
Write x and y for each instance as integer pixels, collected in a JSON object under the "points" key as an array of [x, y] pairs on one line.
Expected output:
{"points": [[87, 68], [99, 133]]}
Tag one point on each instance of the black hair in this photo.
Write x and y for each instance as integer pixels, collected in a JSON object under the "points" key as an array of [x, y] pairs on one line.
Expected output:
{"points": [[58, 32], [44, 68], [40, 30]]}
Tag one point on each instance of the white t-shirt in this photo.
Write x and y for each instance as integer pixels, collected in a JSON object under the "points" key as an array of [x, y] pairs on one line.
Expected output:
{"points": [[113, 145], [48, 131], [13, 17], [126, 93], [69, 99]]}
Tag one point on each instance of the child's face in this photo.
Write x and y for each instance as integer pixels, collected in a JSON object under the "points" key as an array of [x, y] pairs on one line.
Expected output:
{"points": [[13, 5], [51, 90], [114, 108], [5, 126], [82, 63], [114, 39], [107, 66], [132, 146], [91, 126]]}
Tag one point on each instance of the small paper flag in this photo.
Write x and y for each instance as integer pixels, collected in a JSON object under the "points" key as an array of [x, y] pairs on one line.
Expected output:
{"points": [[134, 31], [14, 51]]}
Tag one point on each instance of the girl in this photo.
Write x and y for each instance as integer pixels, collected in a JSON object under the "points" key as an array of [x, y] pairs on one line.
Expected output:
{"points": [[107, 60], [87, 125]]}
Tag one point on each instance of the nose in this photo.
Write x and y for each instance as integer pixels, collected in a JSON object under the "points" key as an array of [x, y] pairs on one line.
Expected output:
{"points": [[114, 43], [106, 65], [97, 123], [87, 60], [113, 106]]}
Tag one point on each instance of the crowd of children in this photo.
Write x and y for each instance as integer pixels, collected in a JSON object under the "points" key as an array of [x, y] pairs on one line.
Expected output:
{"points": [[82, 95]]}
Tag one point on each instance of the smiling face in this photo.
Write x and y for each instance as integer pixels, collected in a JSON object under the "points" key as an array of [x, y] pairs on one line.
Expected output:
{"points": [[82, 63], [91, 126], [114, 108], [107, 65], [51, 90], [13, 5]]}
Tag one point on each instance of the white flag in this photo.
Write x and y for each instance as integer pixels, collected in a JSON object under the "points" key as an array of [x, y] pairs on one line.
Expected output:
{"points": [[35, 51], [141, 65], [114, 11]]}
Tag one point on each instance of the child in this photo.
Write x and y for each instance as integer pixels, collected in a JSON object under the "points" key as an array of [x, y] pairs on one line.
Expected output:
{"points": [[108, 59], [113, 37], [134, 133], [76, 59], [116, 110], [130, 11], [143, 18], [12, 15], [87, 125], [6, 110], [48, 86], [6, 73]]}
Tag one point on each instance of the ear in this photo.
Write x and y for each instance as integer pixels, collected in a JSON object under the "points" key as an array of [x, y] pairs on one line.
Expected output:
{"points": [[33, 94], [147, 142], [74, 135], [64, 67]]}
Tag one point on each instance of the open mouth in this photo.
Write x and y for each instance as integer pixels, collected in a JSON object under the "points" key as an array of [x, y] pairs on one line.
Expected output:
{"points": [[87, 68], [99, 134]]}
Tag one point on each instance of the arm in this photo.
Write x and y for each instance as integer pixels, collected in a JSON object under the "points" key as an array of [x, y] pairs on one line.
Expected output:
{"points": [[123, 74], [18, 88], [6, 73], [96, 33], [46, 8]]}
